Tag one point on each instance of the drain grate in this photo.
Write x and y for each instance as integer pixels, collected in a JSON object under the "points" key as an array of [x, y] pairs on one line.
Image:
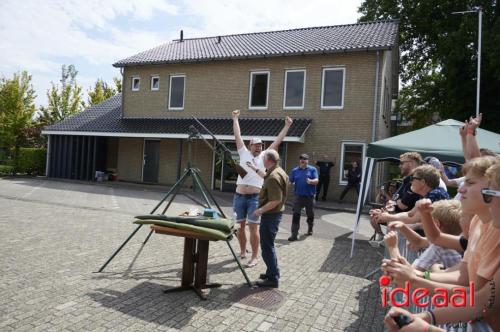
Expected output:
{"points": [[269, 299]]}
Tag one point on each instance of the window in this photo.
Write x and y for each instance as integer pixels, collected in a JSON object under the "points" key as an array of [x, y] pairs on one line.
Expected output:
{"points": [[136, 83], [351, 151], [176, 96], [293, 96], [155, 83], [259, 90], [332, 88]]}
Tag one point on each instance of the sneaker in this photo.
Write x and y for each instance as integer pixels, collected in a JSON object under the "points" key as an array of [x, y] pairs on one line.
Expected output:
{"points": [[293, 238], [267, 283]]}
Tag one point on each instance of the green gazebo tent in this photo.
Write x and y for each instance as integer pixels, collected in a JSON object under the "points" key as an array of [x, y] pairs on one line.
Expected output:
{"points": [[440, 140]]}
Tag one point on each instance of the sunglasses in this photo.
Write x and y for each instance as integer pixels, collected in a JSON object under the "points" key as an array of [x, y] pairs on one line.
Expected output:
{"points": [[303, 158], [488, 194], [414, 178]]}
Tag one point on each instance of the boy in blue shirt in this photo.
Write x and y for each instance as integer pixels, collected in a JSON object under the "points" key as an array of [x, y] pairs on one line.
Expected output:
{"points": [[304, 179]]}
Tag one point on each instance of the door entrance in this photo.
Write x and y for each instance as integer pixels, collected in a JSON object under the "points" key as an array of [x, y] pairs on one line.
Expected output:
{"points": [[224, 174], [151, 161]]}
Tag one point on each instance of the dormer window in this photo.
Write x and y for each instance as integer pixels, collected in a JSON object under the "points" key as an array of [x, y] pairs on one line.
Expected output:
{"points": [[136, 83], [155, 83]]}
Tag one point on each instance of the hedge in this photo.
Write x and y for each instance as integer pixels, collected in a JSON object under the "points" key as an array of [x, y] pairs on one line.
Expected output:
{"points": [[31, 161], [6, 170]]}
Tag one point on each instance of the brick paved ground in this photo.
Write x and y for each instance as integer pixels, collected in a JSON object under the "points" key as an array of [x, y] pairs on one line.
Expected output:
{"points": [[55, 234]]}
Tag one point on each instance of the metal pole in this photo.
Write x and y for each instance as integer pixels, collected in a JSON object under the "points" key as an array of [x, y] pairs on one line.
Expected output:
{"points": [[479, 59]]}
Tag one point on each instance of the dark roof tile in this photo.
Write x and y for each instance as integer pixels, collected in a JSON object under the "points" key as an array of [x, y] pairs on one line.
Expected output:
{"points": [[106, 118], [328, 39]]}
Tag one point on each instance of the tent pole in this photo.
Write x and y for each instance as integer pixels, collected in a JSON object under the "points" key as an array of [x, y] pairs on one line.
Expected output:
{"points": [[367, 166]]}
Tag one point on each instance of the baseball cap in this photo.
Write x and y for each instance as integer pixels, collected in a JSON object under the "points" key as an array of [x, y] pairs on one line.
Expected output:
{"points": [[304, 156], [255, 140], [433, 161]]}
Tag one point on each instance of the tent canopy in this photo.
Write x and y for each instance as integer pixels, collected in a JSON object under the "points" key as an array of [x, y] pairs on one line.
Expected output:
{"points": [[440, 140]]}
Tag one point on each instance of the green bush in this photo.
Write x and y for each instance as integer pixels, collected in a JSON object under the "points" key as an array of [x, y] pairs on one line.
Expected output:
{"points": [[6, 170], [31, 161]]}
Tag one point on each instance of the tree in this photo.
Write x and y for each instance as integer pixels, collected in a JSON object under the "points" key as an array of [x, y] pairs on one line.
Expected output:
{"points": [[439, 57], [63, 101], [118, 84], [17, 106], [100, 92]]}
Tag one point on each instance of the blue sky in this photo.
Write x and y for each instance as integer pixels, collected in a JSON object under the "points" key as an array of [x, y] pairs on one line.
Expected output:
{"points": [[40, 36]]}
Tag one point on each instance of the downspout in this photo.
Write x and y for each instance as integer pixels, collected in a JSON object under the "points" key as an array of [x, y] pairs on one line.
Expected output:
{"points": [[47, 162], [123, 88], [375, 108], [375, 97]]}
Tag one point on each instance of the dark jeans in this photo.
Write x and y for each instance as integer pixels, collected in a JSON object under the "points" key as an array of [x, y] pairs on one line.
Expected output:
{"points": [[349, 186], [324, 182], [299, 203], [269, 223]]}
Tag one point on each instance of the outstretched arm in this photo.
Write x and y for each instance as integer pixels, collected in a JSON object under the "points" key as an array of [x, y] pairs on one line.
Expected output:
{"points": [[434, 235], [236, 129], [472, 146], [411, 236], [282, 134]]}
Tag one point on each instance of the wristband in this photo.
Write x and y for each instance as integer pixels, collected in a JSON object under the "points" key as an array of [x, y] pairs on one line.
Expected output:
{"points": [[433, 317], [471, 132], [427, 275]]}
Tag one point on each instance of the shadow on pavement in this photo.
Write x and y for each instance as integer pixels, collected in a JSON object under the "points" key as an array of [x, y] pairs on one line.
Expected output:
{"points": [[365, 259], [147, 302]]}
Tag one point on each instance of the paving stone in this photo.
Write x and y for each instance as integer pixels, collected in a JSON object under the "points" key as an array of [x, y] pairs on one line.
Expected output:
{"points": [[56, 237]]}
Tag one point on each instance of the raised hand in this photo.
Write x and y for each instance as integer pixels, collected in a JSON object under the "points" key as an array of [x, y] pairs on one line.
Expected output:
{"points": [[288, 121], [475, 122], [424, 205], [396, 225], [236, 114], [391, 239]]}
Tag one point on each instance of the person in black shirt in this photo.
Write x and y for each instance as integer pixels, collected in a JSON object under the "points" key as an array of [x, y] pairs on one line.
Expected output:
{"points": [[353, 179], [404, 198], [324, 176]]}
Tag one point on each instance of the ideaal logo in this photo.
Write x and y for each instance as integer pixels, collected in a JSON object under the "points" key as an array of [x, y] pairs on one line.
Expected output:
{"points": [[442, 297]]}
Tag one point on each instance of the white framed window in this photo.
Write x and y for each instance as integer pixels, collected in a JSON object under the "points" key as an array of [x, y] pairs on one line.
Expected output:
{"points": [[136, 83], [295, 89], [259, 90], [332, 88], [155, 83], [351, 152], [177, 92]]}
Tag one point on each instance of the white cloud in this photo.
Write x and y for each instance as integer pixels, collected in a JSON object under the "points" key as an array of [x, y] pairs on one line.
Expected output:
{"points": [[240, 16], [39, 36]]}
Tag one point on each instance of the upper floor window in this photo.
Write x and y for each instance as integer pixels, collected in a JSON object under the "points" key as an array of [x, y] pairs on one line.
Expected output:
{"points": [[294, 94], [155, 83], [176, 95], [332, 88], [259, 90], [136, 83]]}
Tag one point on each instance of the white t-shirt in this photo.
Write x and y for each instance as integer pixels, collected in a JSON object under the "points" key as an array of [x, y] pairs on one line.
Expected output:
{"points": [[460, 182], [252, 178], [442, 185]]}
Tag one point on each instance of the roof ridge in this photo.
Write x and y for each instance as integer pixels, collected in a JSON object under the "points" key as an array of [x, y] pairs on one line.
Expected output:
{"points": [[287, 30]]}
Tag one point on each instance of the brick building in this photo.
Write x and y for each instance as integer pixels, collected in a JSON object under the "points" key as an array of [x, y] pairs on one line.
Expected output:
{"points": [[336, 82]]}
